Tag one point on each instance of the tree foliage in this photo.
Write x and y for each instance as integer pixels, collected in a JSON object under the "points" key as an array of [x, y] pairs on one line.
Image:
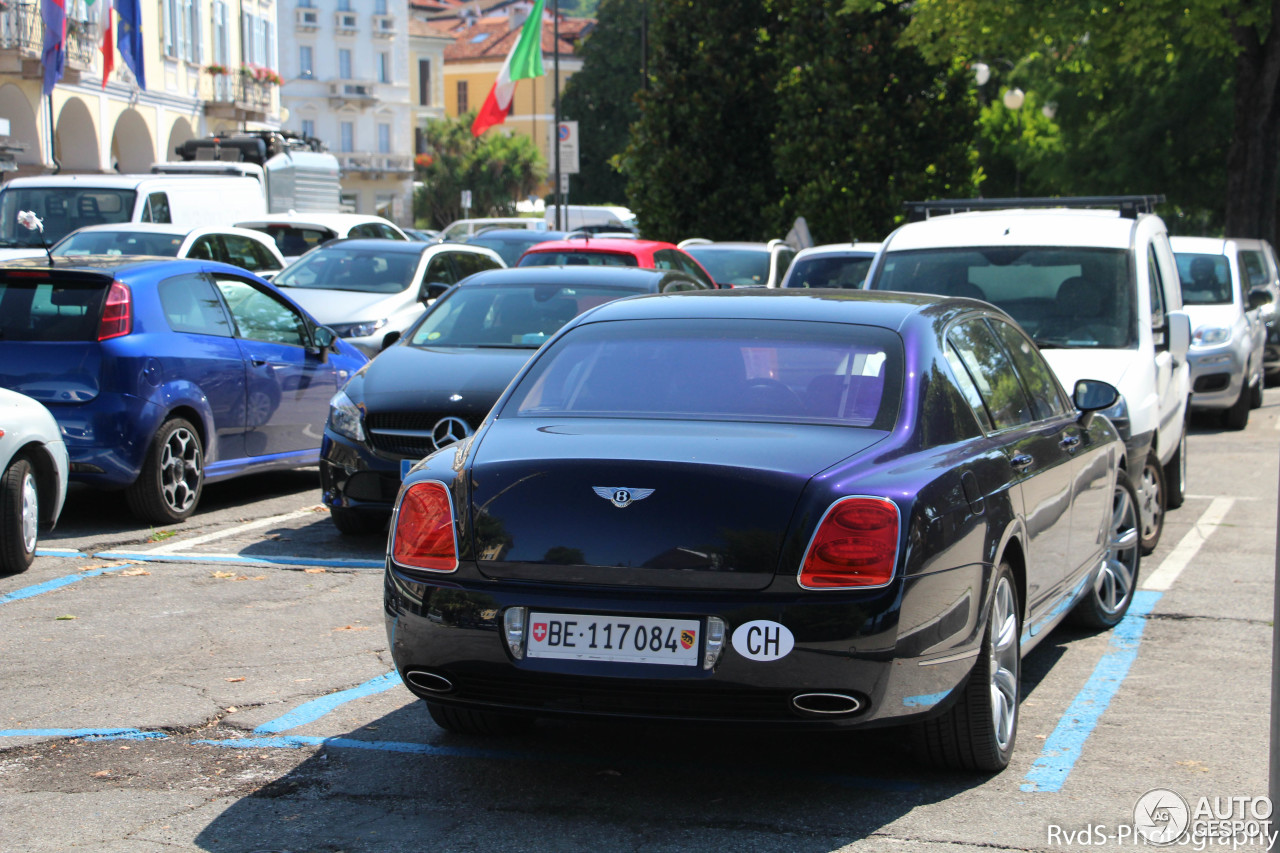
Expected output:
{"points": [[700, 158], [497, 168], [864, 123], [601, 98]]}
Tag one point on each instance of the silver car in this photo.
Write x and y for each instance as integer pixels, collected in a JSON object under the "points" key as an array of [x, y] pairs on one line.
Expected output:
{"points": [[1228, 329], [33, 459]]}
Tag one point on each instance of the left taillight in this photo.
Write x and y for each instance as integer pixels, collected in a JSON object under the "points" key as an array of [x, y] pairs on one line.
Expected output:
{"points": [[117, 313], [856, 546], [424, 534]]}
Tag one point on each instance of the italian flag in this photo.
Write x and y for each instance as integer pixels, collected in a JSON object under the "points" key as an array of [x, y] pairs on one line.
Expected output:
{"points": [[524, 62], [103, 8]]}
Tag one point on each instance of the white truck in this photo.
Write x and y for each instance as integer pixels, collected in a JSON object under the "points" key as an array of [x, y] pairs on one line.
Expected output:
{"points": [[1095, 284]]}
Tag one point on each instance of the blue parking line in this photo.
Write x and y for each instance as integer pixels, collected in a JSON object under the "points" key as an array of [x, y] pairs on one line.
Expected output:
{"points": [[170, 557], [57, 583], [1063, 747], [311, 711], [87, 734], [59, 552]]}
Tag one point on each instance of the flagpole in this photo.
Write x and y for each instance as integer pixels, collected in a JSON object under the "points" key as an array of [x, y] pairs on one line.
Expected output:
{"points": [[555, 134]]}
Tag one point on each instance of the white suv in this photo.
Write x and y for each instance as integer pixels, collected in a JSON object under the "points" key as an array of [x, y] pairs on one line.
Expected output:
{"points": [[1097, 289]]}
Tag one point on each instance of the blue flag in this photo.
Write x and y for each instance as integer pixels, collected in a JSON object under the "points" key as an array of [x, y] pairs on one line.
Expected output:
{"points": [[54, 55], [129, 39]]}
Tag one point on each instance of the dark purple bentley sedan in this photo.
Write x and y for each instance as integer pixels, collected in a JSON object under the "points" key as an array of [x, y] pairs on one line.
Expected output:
{"points": [[780, 508]]}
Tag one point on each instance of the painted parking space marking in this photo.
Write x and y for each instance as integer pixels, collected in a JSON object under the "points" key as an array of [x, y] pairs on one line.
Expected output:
{"points": [[239, 559], [57, 583], [1065, 745], [185, 544], [317, 708], [86, 734], [60, 552], [1180, 557]]}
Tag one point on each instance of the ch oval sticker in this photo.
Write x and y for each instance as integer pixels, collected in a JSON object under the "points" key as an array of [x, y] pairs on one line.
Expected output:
{"points": [[763, 640]]}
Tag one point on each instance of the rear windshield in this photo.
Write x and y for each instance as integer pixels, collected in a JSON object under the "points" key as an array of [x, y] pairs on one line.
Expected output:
{"points": [[1062, 296], [570, 257], [360, 270], [40, 309], [518, 316], [840, 271], [739, 267], [62, 210], [718, 370], [1206, 279], [119, 243]]}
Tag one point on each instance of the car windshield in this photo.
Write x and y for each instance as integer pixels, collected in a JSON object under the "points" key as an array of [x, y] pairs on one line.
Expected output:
{"points": [[1206, 279], [364, 270], [739, 267], [119, 243], [842, 271], [571, 257], [1062, 296], [294, 240], [61, 210], [718, 370], [507, 316]]}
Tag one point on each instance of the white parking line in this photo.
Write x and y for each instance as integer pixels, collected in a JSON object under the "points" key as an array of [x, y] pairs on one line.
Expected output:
{"points": [[1168, 570], [184, 544]]}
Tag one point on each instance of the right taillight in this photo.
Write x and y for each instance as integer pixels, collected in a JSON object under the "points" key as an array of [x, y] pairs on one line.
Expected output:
{"points": [[117, 312], [856, 546], [424, 537]]}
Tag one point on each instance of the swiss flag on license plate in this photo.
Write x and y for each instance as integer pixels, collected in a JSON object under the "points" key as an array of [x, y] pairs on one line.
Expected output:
{"points": [[539, 631]]}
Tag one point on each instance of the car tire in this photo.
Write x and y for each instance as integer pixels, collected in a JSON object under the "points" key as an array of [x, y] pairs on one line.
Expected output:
{"points": [[466, 721], [172, 477], [352, 522], [1237, 417], [979, 730], [1152, 503], [1116, 578], [1255, 394], [19, 516], [1175, 473]]}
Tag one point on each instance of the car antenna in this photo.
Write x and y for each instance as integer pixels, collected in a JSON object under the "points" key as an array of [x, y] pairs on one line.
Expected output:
{"points": [[28, 219]]}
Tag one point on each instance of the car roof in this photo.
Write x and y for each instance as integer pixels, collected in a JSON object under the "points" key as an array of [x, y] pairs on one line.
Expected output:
{"points": [[861, 307], [408, 247], [530, 234], [1200, 245], [602, 244], [1029, 227], [171, 228], [855, 249], [568, 276], [118, 265], [328, 220], [730, 244]]}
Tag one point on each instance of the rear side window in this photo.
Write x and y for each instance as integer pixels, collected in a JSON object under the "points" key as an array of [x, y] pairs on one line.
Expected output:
{"points": [[40, 309], [157, 209], [992, 373], [469, 263], [247, 253], [1254, 267], [190, 305]]}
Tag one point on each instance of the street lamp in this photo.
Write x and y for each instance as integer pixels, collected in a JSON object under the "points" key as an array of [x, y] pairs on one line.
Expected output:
{"points": [[1013, 100]]}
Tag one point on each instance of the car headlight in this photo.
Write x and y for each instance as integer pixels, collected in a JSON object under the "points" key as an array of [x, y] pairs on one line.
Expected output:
{"points": [[358, 330], [1208, 336], [345, 417]]}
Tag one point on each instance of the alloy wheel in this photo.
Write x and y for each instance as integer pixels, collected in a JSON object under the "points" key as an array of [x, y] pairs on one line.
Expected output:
{"points": [[1114, 582], [1004, 664], [181, 469]]}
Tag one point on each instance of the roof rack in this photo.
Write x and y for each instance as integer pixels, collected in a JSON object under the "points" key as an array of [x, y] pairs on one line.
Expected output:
{"points": [[1128, 205]]}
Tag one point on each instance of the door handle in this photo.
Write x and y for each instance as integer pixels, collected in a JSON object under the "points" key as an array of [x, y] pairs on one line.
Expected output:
{"points": [[1022, 461], [1070, 442], [258, 362]]}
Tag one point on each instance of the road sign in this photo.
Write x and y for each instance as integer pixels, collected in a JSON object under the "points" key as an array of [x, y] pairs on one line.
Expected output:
{"points": [[567, 138], [564, 182], [466, 199]]}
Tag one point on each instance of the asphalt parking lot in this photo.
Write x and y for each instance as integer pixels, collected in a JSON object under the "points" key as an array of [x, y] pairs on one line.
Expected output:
{"points": [[225, 685]]}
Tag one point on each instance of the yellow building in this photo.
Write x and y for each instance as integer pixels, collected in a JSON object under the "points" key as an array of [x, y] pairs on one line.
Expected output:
{"points": [[85, 126]]}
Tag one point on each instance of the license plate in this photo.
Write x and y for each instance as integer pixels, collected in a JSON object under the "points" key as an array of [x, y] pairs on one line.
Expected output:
{"points": [[626, 639]]}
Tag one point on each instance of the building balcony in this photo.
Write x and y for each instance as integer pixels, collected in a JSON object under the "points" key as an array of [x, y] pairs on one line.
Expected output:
{"points": [[22, 41], [236, 96], [384, 26], [372, 165], [361, 93], [308, 19]]}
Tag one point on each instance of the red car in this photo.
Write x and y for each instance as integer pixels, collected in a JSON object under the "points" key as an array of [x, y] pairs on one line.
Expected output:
{"points": [[615, 252]]}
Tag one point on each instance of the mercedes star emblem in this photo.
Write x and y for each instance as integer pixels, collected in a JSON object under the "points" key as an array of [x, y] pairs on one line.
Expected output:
{"points": [[448, 430]]}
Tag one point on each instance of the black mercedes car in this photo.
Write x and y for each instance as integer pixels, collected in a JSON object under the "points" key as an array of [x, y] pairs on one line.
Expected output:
{"points": [[437, 382], [779, 508]]}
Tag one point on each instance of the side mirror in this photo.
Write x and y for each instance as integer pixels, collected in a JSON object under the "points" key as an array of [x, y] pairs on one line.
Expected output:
{"points": [[1179, 325], [1258, 297], [323, 340], [432, 291], [1093, 395], [388, 339]]}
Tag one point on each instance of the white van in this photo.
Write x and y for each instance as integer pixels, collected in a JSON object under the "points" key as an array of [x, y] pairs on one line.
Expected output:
{"points": [[592, 217], [67, 202]]}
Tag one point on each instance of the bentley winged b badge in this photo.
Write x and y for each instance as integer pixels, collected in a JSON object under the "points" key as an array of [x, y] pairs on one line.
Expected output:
{"points": [[621, 497]]}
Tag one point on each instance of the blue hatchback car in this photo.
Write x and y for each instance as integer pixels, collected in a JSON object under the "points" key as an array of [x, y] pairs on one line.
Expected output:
{"points": [[168, 374]]}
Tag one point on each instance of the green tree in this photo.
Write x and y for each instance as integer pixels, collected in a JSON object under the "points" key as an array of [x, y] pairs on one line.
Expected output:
{"points": [[601, 98], [863, 122], [498, 168], [1142, 84], [700, 156]]}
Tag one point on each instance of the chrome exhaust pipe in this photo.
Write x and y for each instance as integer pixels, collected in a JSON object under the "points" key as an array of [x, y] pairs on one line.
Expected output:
{"points": [[428, 681], [826, 704]]}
